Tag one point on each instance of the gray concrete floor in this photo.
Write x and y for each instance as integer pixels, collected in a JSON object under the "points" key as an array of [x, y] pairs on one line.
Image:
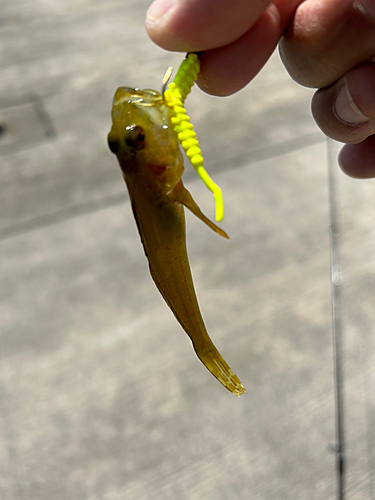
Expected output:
{"points": [[101, 394]]}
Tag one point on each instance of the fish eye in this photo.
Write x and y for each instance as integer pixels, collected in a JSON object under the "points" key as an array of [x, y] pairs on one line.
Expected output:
{"points": [[113, 144], [135, 137]]}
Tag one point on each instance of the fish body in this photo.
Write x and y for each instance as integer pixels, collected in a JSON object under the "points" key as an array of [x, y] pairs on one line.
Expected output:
{"points": [[150, 158]]}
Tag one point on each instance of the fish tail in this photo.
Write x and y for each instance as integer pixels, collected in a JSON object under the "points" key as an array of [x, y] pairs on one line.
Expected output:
{"points": [[215, 363]]}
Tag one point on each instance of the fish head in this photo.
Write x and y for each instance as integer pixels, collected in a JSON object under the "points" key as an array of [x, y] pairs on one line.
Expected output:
{"points": [[143, 138]]}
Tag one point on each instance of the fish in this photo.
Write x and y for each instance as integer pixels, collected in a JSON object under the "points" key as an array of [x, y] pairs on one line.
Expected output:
{"points": [[149, 155]]}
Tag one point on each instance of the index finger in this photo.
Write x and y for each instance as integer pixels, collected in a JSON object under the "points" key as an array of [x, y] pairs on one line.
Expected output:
{"points": [[197, 25]]}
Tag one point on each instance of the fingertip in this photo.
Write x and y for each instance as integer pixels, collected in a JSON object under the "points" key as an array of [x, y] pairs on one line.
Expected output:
{"points": [[228, 69], [195, 25], [162, 30], [358, 160]]}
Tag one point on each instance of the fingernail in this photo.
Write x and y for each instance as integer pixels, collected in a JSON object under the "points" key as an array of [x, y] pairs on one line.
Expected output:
{"points": [[158, 9], [345, 108]]}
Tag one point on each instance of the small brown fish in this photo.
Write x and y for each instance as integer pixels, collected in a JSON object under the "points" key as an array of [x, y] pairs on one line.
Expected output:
{"points": [[150, 158]]}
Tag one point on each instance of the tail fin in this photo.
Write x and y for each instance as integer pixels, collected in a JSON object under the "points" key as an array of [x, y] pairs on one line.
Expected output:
{"points": [[213, 361]]}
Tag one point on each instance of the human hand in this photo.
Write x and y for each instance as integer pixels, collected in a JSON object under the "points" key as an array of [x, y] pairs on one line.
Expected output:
{"points": [[327, 44], [237, 36], [330, 45]]}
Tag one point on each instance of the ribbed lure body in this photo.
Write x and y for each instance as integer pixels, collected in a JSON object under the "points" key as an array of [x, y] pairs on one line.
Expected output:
{"points": [[175, 97]]}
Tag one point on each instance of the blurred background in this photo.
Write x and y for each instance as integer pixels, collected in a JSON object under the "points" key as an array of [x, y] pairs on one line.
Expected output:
{"points": [[101, 394]]}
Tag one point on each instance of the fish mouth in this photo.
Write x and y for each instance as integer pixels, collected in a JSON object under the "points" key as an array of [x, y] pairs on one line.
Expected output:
{"points": [[146, 97]]}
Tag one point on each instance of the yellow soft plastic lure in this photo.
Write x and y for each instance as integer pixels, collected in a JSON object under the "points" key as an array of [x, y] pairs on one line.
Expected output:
{"points": [[175, 97], [145, 135]]}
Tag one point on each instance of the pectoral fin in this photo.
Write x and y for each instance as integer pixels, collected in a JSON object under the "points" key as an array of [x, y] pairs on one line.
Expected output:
{"points": [[182, 195]]}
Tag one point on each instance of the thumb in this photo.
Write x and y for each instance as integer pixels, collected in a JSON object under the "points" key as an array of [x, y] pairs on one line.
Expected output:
{"points": [[196, 25]]}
